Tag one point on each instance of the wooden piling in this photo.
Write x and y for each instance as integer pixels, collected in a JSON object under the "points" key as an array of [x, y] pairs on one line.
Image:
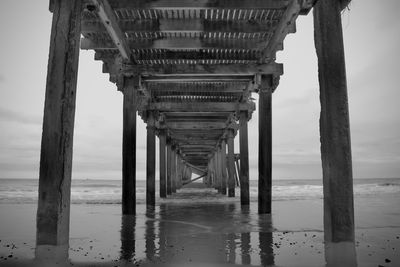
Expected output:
{"points": [[169, 166], [334, 123], [151, 161], [244, 160], [52, 225], [231, 164], [163, 178], [129, 147], [173, 171], [223, 167], [265, 146]]}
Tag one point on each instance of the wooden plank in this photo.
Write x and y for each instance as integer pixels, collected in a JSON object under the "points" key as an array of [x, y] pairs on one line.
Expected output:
{"points": [[176, 43], [201, 106], [184, 26], [198, 4], [107, 17]]}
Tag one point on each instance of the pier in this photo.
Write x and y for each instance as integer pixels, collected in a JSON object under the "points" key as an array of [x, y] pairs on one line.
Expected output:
{"points": [[188, 69]]}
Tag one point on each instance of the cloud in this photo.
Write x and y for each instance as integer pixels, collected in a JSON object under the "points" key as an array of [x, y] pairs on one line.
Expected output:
{"points": [[12, 116], [2, 79]]}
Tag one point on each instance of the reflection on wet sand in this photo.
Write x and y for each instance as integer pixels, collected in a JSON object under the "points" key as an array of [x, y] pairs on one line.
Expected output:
{"points": [[204, 233], [128, 225]]}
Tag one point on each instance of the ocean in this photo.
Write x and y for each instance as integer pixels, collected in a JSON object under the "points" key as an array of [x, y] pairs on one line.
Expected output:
{"points": [[25, 191]]}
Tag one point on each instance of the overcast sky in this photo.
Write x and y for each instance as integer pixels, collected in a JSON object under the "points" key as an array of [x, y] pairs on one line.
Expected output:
{"points": [[372, 42]]}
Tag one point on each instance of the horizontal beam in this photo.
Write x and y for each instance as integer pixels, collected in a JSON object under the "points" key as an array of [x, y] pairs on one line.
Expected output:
{"points": [[110, 24], [196, 125], [184, 26], [197, 55], [196, 88], [208, 71], [178, 44], [199, 4], [201, 106], [284, 27]]}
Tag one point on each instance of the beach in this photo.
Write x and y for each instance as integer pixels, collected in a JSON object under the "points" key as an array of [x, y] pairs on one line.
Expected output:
{"points": [[198, 227]]}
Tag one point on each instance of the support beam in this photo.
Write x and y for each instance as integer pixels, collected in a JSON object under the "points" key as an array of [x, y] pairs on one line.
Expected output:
{"points": [[244, 159], [223, 166], [334, 124], [151, 161], [198, 4], [213, 70], [265, 146], [169, 169], [52, 225], [201, 106], [107, 17], [163, 178], [231, 164], [177, 43], [185, 26], [129, 147], [173, 170], [284, 27]]}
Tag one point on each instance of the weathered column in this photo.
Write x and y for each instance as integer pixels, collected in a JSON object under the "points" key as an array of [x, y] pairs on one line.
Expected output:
{"points": [[231, 164], [163, 176], [217, 184], [169, 169], [265, 145], [334, 123], [129, 147], [223, 166], [173, 171], [151, 161], [244, 160], [52, 231]]}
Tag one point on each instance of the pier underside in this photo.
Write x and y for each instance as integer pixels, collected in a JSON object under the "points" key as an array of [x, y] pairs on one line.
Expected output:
{"points": [[189, 69]]}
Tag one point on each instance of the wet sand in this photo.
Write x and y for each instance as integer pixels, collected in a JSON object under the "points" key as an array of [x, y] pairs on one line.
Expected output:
{"points": [[200, 228]]}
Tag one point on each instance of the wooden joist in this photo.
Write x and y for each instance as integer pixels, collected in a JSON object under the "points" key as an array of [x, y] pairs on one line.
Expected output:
{"points": [[236, 71], [179, 43], [196, 125], [185, 26], [199, 4], [285, 26], [107, 17], [201, 106]]}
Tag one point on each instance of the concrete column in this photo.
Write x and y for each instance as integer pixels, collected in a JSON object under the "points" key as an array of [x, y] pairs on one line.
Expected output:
{"points": [[265, 146], [231, 164], [169, 169], [129, 148], [151, 161], [334, 123], [223, 167], [244, 159], [163, 176], [52, 231]]}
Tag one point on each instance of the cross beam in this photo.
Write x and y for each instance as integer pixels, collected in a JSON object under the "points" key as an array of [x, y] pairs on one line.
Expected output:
{"points": [[107, 17], [199, 4]]}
